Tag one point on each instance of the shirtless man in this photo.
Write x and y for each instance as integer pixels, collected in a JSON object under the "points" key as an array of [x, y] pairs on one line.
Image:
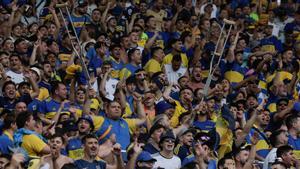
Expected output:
{"points": [[56, 160]]}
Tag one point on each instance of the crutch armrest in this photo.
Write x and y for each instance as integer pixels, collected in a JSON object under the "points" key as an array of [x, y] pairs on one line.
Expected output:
{"points": [[229, 22], [217, 54], [61, 5]]}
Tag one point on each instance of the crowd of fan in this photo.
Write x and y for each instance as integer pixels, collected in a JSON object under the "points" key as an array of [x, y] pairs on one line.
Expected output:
{"points": [[122, 84]]}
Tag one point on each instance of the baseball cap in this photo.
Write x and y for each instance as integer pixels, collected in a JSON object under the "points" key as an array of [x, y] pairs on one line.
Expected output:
{"points": [[145, 157], [187, 130], [82, 3], [242, 148], [69, 125], [88, 119], [162, 106]]}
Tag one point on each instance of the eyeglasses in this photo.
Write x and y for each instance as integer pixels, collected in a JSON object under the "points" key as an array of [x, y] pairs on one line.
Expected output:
{"points": [[282, 104], [169, 140]]}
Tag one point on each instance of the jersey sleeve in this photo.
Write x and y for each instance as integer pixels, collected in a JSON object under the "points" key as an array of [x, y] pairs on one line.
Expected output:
{"points": [[33, 143]]}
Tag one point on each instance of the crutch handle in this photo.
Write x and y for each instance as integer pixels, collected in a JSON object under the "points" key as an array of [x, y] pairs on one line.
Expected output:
{"points": [[229, 22], [218, 54], [61, 5]]}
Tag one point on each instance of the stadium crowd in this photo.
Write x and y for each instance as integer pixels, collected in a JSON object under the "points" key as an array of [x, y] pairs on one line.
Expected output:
{"points": [[128, 84]]}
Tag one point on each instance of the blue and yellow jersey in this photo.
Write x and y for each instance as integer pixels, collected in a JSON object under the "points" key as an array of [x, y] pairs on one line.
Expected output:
{"points": [[74, 148], [33, 145], [271, 44], [121, 128], [79, 22], [117, 67], [205, 126], [262, 84], [128, 70], [49, 107], [6, 141], [152, 66], [161, 40], [168, 59], [262, 146], [295, 143], [179, 109], [204, 67], [271, 103], [234, 72]]}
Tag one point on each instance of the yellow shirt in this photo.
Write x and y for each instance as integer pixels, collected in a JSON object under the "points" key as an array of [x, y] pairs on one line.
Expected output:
{"points": [[178, 111], [33, 145], [168, 59], [44, 94], [152, 66]]}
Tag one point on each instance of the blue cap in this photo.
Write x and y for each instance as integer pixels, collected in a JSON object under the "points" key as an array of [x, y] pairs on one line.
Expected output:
{"points": [[145, 157], [87, 118], [104, 133], [297, 106], [162, 106]]}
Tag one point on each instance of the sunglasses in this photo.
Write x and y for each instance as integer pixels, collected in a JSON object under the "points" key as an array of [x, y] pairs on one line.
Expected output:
{"points": [[169, 140], [282, 104]]}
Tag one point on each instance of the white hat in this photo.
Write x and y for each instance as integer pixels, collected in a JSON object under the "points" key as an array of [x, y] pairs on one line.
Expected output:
{"points": [[37, 71]]}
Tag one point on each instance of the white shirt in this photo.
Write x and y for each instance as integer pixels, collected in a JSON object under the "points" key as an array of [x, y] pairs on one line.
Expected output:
{"points": [[110, 88], [15, 77], [214, 10], [172, 75], [270, 158], [162, 162]]}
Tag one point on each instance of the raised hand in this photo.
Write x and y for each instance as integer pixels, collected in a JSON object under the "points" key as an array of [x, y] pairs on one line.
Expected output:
{"points": [[116, 150], [255, 138]]}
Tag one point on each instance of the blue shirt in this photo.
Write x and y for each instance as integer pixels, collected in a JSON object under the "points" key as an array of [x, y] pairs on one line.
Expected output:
{"points": [[150, 148], [95, 60], [212, 164], [205, 126], [79, 22], [121, 130], [74, 148], [5, 143], [7, 104], [82, 164], [295, 143], [49, 107]]}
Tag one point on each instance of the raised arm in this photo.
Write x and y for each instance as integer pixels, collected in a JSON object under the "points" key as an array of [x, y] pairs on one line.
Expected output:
{"points": [[291, 86], [116, 150], [140, 110], [230, 56], [137, 149], [32, 59], [130, 25], [246, 129], [54, 17], [11, 18], [166, 94], [104, 15], [72, 91], [151, 41], [254, 140], [103, 83], [35, 88]]}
